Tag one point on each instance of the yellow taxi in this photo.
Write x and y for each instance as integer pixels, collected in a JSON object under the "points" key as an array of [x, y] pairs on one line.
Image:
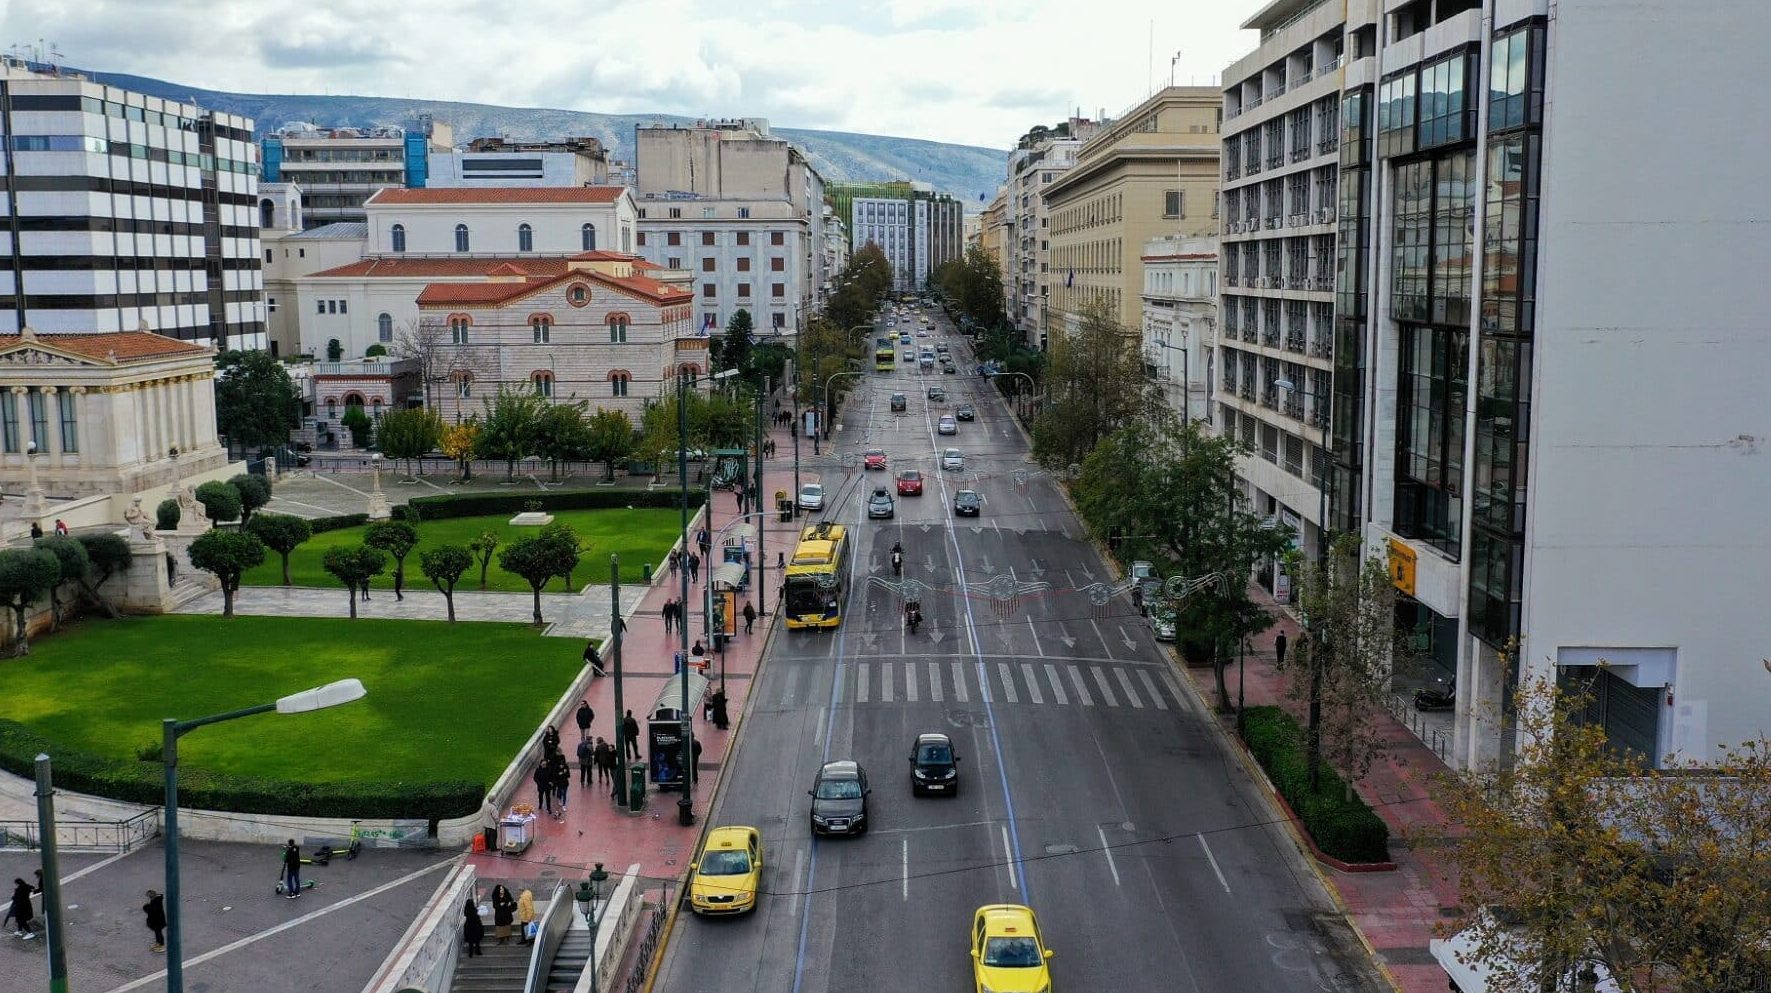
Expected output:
{"points": [[729, 872], [1008, 955]]}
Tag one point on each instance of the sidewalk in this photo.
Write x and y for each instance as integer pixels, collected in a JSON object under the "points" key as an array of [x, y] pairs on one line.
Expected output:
{"points": [[1395, 912], [595, 829], [567, 615]]}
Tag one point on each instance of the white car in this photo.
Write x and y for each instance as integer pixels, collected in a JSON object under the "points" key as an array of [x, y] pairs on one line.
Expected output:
{"points": [[811, 496], [947, 425], [952, 459]]}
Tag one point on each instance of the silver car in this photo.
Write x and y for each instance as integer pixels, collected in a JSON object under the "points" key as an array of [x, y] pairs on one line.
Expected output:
{"points": [[811, 496], [947, 425], [953, 460]]}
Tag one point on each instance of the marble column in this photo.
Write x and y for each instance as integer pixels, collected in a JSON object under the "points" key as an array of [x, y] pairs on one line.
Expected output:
{"points": [[51, 426], [82, 424]]}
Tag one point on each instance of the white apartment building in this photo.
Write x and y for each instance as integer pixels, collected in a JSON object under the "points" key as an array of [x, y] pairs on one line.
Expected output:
{"points": [[744, 254], [1179, 328], [339, 168], [1281, 140], [888, 223], [500, 162], [126, 212], [501, 221], [1042, 156]]}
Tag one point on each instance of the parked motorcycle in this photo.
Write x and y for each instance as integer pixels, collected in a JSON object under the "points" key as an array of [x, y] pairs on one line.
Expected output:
{"points": [[1442, 695]]}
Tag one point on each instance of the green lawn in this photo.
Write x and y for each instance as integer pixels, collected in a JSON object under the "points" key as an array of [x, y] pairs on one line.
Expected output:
{"points": [[639, 536], [446, 701]]}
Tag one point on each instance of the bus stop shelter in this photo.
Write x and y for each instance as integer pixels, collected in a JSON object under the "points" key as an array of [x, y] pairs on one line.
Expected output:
{"points": [[668, 725]]}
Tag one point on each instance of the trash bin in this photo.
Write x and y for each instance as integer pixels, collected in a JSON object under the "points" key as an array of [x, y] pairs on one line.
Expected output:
{"points": [[636, 787], [646, 572]]}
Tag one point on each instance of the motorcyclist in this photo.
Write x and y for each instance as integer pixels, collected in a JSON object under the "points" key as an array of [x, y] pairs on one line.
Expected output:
{"points": [[897, 559], [912, 614]]}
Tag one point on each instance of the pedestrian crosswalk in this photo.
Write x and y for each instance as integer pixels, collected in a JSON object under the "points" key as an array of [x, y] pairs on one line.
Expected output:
{"points": [[874, 682]]}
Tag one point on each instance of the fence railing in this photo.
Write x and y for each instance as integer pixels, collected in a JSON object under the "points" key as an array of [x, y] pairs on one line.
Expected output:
{"points": [[86, 836], [652, 931], [1415, 720]]}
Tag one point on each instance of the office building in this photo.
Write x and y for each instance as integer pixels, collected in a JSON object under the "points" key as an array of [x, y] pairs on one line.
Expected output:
{"points": [[917, 229], [506, 162], [1039, 158], [338, 169], [1180, 313]]}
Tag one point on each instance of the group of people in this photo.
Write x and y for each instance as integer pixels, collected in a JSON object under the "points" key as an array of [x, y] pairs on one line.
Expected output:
{"points": [[61, 529], [24, 919], [691, 562], [506, 911]]}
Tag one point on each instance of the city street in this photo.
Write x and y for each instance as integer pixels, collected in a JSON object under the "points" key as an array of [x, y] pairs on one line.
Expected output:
{"points": [[1092, 789]]}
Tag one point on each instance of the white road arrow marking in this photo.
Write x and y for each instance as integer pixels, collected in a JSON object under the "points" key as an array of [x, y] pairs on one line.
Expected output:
{"points": [[1129, 643], [1065, 637]]}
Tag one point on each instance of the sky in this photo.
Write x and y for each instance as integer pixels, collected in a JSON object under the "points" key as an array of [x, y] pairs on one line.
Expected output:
{"points": [[975, 72]]}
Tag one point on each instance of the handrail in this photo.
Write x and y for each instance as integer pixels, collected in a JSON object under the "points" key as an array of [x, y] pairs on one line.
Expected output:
{"points": [[552, 932]]}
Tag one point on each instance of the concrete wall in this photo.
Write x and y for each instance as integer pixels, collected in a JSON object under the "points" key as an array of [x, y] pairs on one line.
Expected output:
{"points": [[426, 956]]}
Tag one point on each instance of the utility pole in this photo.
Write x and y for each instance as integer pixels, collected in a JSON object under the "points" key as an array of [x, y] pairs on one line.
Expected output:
{"points": [[52, 905], [685, 807], [615, 630], [762, 522]]}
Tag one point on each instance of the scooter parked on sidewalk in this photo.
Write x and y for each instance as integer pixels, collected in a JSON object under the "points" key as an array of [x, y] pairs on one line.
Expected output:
{"points": [[1442, 695]]}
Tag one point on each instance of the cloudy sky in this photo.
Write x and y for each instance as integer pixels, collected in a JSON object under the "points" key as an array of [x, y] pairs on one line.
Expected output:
{"points": [[977, 72]]}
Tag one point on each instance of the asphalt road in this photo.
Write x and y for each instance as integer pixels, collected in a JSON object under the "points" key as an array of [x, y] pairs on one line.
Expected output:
{"points": [[1092, 788]]}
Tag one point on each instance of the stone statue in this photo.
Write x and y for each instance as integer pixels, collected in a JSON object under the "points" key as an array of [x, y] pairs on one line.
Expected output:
{"points": [[191, 515], [139, 519]]}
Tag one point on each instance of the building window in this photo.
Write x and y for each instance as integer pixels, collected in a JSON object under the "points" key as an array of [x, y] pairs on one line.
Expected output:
{"points": [[743, 238], [1515, 84], [344, 306], [270, 304], [384, 327], [618, 383], [673, 238], [397, 237], [587, 238], [461, 241], [39, 420], [642, 239], [267, 256], [617, 330], [707, 265], [674, 262], [1446, 117], [778, 291], [743, 265], [707, 238], [676, 212], [709, 291], [541, 328], [579, 295], [777, 265], [777, 238], [332, 408], [780, 320], [1430, 435], [319, 306], [375, 408], [743, 213], [1396, 111], [458, 330], [9, 433], [525, 238], [1171, 203], [464, 387], [543, 384], [743, 291], [707, 213]]}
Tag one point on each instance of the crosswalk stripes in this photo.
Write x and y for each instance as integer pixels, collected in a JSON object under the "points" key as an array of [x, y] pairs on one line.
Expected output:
{"points": [[959, 682], [1032, 682], [1051, 673], [910, 685], [792, 684], [1125, 684], [862, 683], [912, 681], [1150, 686], [1008, 683], [935, 681], [1081, 687], [885, 682], [1106, 691]]}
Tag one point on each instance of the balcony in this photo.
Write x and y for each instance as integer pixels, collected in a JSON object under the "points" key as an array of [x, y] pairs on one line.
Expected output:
{"points": [[1270, 398], [1250, 334], [1300, 154], [1327, 145], [1247, 392], [1294, 282], [1322, 284], [1275, 160], [1330, 66]]}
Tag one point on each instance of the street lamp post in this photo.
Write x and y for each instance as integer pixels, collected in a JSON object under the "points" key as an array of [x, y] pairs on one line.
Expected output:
{"points": [[330, 695], [590, 892], [1186, 379], [1031, 386], [826, 401]]}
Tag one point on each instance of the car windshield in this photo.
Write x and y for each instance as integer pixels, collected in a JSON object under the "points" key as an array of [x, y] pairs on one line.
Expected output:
{"points": [[911, 476], [967, 496], [725, 864], [1011, 953], [813, 489], [952, 453], [839, 789], [934, 755]]}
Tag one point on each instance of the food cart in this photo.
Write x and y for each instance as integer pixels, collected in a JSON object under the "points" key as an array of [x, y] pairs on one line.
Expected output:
{"points": [[516, 829]]}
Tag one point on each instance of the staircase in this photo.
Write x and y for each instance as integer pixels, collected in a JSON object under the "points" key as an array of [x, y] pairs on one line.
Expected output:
{"points": [[501, 969], [569, 962]]}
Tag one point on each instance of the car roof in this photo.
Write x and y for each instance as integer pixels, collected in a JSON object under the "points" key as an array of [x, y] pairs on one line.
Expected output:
{"points": [[812, 486], [845, 768], [951, 451], [933, 738], [1007, 918], [964, 493], [731, 836]]}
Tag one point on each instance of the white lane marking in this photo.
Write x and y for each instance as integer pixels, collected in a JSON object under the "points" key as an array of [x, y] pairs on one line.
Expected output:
{"points": [[822, 715], [1103, 638], [1035, 632], [787, 691], [1225, 883], [861, 682], [1051, 673], [984, 684], [799, 866], [885, 682], [1106, 691], [1032, 679], [935, 681], [1081, 687], [1014, 880], [1008, 683], [905, 849], [1150, 687], [959, 682], [286, 925], [1125, 684], [910, 688], [1168, 680], [1107, 850]]}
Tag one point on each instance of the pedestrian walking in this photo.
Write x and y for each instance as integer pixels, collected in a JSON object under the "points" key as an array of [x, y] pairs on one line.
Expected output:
{"points": [[668, 612], [22, 923], [585, 716], [696, 650], [525, 915], [738, 497], [1279, 650], [550, 739], [587, 759], [365, 590], [630, 731], [676, 559], [717, 704], [291, 870], [544, 786], [504, 911], [155, 910], [599, 760], [703, 541], [473, 930], [562, 785], [694, 568], [749, 616]]}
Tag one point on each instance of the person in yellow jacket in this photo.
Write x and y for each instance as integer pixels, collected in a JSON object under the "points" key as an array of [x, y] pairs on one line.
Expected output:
{"points": [[525, 914]]}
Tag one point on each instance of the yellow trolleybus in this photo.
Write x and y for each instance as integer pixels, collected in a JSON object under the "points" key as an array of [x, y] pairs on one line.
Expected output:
{"points": [[817, 578]]}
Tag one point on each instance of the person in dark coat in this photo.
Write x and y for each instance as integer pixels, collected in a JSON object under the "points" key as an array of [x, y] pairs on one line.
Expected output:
{"points": [[23, 926], [473, 930], [155, 909], [550, 739], [1279, 650], [504, 913], [717, 703], [587, 761], [291, 870], [544, 786], [749, 616], [630, 730], [584, 717]]}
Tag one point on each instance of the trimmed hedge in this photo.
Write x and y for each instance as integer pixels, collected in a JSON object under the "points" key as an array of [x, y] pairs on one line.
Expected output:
{"points": [[1343, 828], [143, 782], [338, 523], [435, 508]]}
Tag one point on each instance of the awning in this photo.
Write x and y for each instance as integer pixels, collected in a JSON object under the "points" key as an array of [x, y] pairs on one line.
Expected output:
{"points": [[671, 696], [730, 574]]}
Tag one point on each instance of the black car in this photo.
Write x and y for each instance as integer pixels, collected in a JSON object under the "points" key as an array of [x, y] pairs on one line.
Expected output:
{"points": [[967, 503], [934, 768], [966, 412], [899, 403], [839, 798]]}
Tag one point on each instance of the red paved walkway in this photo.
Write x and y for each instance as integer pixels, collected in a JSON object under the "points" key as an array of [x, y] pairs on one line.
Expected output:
{"points": [[595, 829], [1394, 911]]}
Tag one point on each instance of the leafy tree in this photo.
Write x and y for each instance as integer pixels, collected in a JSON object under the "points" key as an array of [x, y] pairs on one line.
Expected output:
{"points": [[768, 360], [70, 557], [281, 533], [167, 515], [26, 576], [256, 403], [562, 435], [459, 441], [1343, 669], [255, 492], [860, 287], [356, 421], [973, 284], [482, 547], [443, 566], [334, 350], [375, 351], [538, 558], [221, 501], [1096, 384], [354, 567], [1580, 850], [570, 548], [409, 434], [734, 351], [608, 438], [227, 554], [397, 538], [109, 555], [510, 428]]}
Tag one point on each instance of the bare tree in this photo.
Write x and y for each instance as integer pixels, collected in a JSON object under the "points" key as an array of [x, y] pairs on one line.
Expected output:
{"points": [[440, 360]]}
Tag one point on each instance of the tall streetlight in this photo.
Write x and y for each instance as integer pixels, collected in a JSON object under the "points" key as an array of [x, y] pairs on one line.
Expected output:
{"points": [[319, 698], [590, 892]]}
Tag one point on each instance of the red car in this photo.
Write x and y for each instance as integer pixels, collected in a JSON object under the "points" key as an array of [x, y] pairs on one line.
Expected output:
{"points": [[910, 483], [874, 459]]}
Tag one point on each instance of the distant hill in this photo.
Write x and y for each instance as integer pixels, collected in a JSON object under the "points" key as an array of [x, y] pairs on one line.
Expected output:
{"points": [[964, 171]]}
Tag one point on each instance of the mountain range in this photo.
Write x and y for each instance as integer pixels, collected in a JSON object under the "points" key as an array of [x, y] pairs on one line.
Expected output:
{"points": [[969, 173]]}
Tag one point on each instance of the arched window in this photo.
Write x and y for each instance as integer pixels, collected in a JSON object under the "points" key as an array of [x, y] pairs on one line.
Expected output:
{"points": [[618, 383], [587, 237], [541, 326], [543, 384], [464, 385], [458, 325], [398, 237], [617, 329], [525, 238], [375, 408], [461, 241], [384, 327], [267, 213], [332, 408]]}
